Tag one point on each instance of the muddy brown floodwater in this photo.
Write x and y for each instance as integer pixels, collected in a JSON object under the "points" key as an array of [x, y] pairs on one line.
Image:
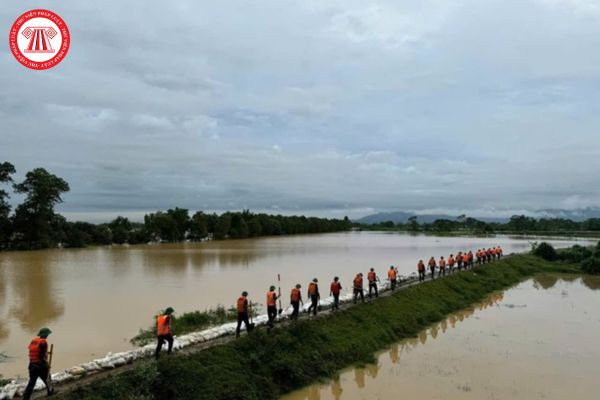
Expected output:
{"points": [[538, 340], [96, 299]]}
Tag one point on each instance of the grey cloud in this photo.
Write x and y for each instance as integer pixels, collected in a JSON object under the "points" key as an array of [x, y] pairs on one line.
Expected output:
{"points": [[319, 107]]}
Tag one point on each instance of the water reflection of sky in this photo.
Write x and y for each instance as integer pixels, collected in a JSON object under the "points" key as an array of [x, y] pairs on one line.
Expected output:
{"points": [[428, 368]]}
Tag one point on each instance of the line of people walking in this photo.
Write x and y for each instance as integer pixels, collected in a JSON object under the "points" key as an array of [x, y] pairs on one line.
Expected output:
{"points": [[39, 366], [462, 260]]}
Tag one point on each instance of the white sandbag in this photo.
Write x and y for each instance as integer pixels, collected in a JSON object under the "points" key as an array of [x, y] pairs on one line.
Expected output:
{"points": [[76, 371], [105, 363], [62, 376]]}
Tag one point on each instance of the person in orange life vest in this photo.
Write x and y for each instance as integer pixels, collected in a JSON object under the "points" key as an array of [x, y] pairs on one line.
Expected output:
{"points": [[242, 313], [470, 259], [459, 260], [357, 286], [372, 278], [313, 294], [392, 276], [499, 252], [442, 267], [271, 306], [451, 263], [295, 299], [432, 267], [334, 290], [478, 255], [38, 362], [493, 253], [163, 331], [488, 255], [421, 269]]}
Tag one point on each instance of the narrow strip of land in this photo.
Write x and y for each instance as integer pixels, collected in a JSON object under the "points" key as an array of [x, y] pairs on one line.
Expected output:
{"points": [[265, 365]]}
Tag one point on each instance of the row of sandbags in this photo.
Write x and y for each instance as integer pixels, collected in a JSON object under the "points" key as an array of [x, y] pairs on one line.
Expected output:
{"points": [[116, 360]]}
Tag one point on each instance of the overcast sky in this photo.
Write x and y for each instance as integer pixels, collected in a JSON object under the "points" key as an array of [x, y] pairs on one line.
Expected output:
{"points": [[321, 107]]}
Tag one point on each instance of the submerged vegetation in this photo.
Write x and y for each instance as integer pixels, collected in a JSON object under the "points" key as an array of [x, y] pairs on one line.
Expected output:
{"points": [[588, 259], [35, 225], [265, 365]]}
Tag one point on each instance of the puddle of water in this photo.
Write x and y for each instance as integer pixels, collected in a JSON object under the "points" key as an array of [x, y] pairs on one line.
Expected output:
{"points": [[96, 299], [538, 340]]}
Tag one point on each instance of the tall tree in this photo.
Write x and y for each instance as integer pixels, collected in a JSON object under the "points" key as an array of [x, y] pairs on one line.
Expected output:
{"points": [[33, 218], [6, 170]]}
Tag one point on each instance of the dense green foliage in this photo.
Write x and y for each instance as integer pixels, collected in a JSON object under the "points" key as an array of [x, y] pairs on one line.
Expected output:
{"points": [[545, 250], [574, 254], [265, 365], [591, 265], [35, 225], [588, 259], [520, 224]]}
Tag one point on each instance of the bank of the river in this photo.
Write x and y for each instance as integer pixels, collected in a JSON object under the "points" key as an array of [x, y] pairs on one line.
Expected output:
{"points": [[265, 365]]}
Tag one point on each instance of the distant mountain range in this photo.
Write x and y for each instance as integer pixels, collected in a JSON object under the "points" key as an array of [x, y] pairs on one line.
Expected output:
{"points": [[403, 216]]}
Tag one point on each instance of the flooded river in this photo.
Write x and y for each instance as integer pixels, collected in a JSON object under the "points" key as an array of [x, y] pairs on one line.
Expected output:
{"points": [[96, 299], [538, 340]]}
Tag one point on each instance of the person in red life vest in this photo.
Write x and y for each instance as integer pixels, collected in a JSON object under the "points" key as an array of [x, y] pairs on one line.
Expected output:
{"points": [[459, 260], [242, 313], [442, 267], [163, 331], [271, 306], [334, 290], [357, 286], [295, 300], [38, 362], [451, 263], [373, 278], [432, 267], [499, 252], [313, 294], [393, 277], [421, 269]]}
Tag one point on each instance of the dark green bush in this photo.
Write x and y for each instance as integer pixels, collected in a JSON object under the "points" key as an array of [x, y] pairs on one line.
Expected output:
{"points": [[591, 265], [575, 254], [545, 251]]}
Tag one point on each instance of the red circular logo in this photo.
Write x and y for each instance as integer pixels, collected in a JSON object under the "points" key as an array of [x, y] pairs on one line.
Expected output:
{"points": [[39, 39]]}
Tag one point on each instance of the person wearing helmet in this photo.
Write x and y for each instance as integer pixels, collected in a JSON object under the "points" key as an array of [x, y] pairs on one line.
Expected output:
{"points": [[335, 289], [393, 276], [242, 316], [295, 300], [357, 286], [313, 294], [38, 362], [271, 306], [372, 278], [164, 331]]}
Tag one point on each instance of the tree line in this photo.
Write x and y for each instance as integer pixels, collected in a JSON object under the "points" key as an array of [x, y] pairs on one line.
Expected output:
{"points": [[520, 224], [34, 224]]}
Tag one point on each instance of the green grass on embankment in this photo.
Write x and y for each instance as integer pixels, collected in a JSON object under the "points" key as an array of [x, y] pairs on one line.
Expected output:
{"points": [[265, 365]]}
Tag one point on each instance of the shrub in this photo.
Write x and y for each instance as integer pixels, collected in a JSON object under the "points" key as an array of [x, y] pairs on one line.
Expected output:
{"points": [[575, 254], [591, 265], [597, 250], [545, 251]]}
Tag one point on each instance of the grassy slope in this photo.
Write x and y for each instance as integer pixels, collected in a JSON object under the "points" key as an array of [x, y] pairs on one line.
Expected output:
{"points": [[263, 366]]}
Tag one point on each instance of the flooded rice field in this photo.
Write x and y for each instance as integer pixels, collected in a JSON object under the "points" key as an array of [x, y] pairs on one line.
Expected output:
{"points": [[538, 340], [96, 299]]}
